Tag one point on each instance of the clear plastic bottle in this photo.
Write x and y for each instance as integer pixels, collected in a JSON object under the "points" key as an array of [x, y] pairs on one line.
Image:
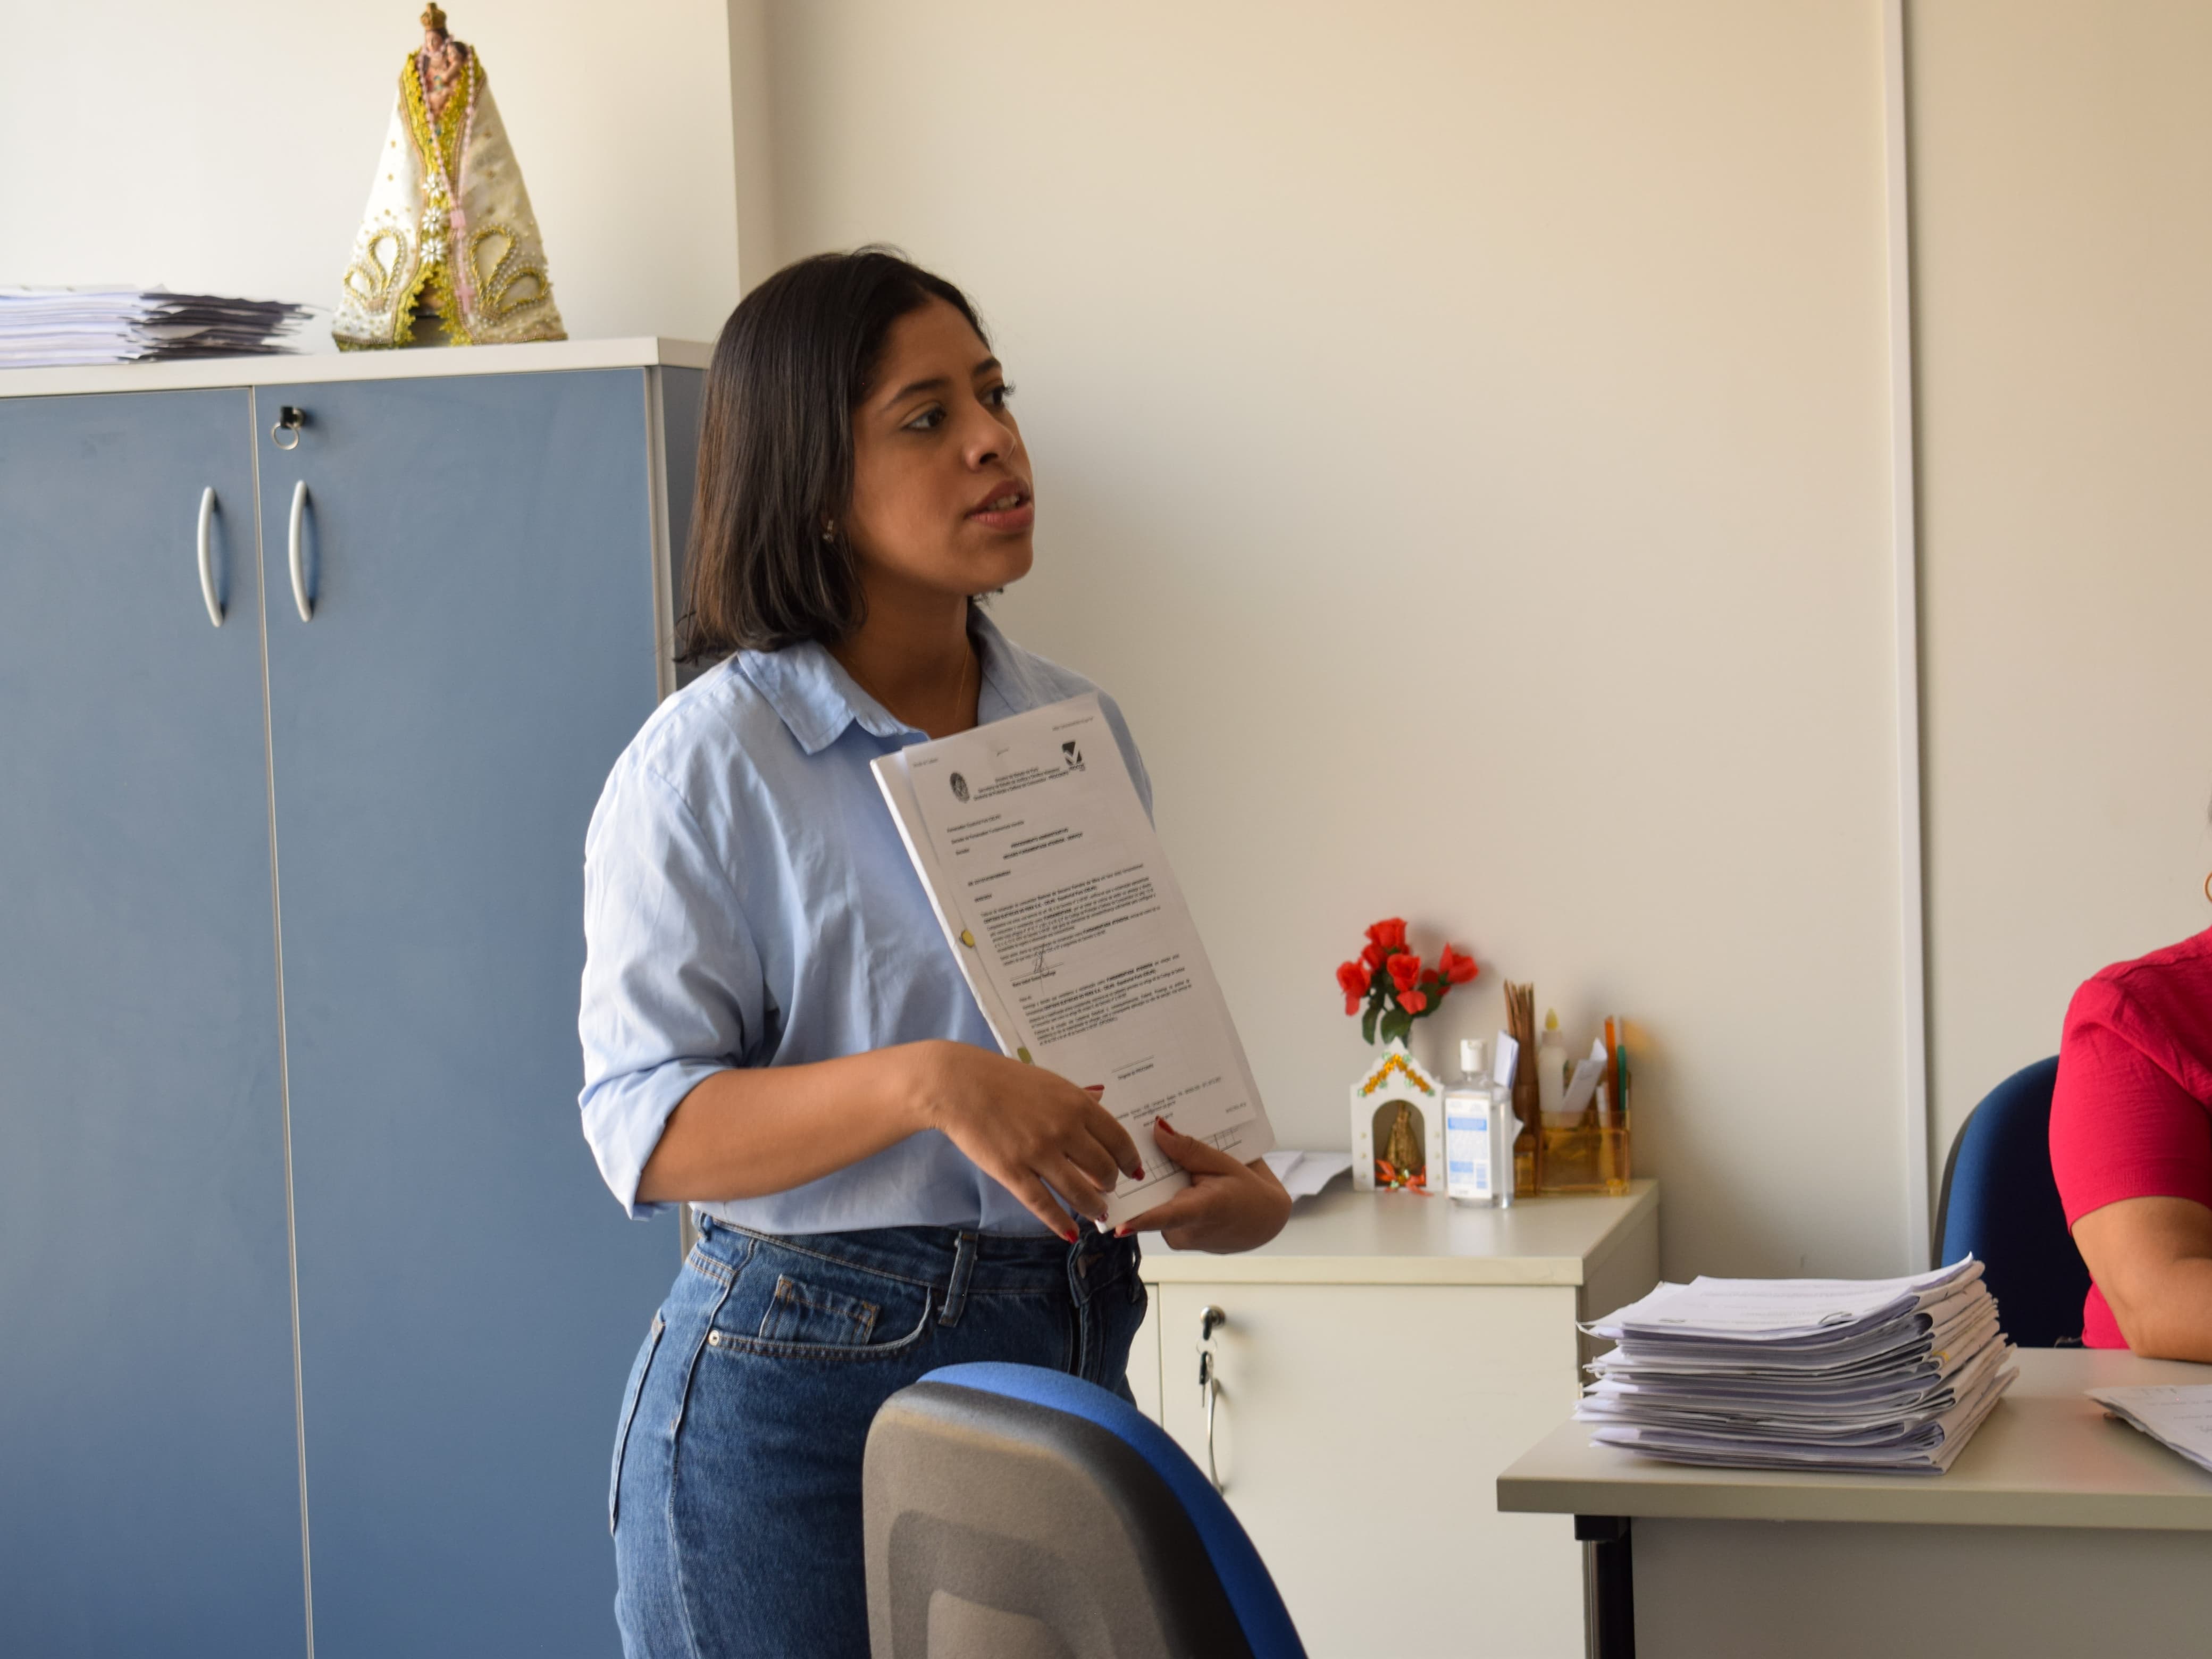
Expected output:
{"points": [[1469, 1175], [1479, 1133]]}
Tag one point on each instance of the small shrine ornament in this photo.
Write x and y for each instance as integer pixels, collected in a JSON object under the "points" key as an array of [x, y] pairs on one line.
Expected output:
{"points": [[1397, 1104], [448, 243], [1397, 1124]]}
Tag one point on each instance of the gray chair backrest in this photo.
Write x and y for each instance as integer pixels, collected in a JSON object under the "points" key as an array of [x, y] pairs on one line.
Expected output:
{"points": [[1000, 1529]]}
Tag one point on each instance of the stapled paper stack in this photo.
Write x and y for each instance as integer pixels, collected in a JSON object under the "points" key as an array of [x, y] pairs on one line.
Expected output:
{"points": [[1870, 1375]]}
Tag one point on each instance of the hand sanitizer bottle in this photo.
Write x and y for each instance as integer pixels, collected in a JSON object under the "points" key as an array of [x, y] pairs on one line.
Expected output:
{"points": [[1471, 1111]]}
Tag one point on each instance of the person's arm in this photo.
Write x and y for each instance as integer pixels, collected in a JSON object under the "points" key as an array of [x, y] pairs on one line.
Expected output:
{"points": [[1228, 1206], [2152, 1257], [743, 1133]]}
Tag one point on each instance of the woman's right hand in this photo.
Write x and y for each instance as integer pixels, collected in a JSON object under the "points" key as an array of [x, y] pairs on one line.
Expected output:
{"points": [[1029, 1129]]}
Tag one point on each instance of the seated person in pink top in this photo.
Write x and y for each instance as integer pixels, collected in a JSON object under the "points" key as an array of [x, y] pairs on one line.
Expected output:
{"points": [[2132, 1147]]}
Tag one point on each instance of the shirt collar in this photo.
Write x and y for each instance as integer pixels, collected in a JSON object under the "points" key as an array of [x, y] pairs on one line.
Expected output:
{"points": [[816, 699]]}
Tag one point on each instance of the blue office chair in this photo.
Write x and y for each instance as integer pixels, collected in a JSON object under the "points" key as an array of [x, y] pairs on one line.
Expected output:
{"points": [[1015, 1513], [2000, 1203]]}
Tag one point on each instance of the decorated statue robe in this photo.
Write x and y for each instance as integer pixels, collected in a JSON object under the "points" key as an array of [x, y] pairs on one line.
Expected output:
{"points": [[449, 229]]}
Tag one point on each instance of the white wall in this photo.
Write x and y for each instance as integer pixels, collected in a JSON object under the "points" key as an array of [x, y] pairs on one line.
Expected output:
{"points": [[2062, 153], [227, 145], [1462, 431], [1461, 437]]}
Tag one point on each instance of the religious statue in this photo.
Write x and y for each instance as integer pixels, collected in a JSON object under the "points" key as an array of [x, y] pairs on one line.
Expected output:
{"points": [[1403, 1151], [448, 249]]}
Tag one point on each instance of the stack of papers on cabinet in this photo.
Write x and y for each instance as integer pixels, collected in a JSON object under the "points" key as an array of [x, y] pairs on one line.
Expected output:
{"points": [[49, 327], [1873, 1376]]}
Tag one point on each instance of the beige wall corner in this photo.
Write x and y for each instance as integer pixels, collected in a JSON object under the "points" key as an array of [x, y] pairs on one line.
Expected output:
{"points": [[2063, 251], [753, 129], [1483, 405]]}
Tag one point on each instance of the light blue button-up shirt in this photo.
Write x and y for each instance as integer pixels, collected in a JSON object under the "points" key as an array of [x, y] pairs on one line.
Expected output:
{"points": [[747, 902]]}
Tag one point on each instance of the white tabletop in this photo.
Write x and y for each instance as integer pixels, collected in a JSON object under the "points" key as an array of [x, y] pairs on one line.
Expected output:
{"points": [[316, 367], [2047, 1457], [1345, 1237]]}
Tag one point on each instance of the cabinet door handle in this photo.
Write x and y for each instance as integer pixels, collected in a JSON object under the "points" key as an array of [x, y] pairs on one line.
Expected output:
{"points": [[207, 556], [1209, 1386], [299, 563]]}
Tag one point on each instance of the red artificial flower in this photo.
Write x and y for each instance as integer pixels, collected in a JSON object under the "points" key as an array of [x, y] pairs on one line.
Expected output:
{"points": [[1456, 969], [1351, 980], [1390, 933], [1371, 958], [1405, 970], [1412, 1001]]}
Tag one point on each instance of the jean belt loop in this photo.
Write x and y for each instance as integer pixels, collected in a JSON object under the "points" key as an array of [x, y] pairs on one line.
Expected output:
{"points": [[956, 1293], [1082, 1256]]}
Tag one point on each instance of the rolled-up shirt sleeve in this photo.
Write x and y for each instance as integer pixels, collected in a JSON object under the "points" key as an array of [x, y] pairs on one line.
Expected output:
{"points": [[672, 989], [2123, 1124]]}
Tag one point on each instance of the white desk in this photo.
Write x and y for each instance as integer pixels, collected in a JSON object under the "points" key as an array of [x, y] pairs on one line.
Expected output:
{"points": [[2058, 1531], [1383, 1359]]}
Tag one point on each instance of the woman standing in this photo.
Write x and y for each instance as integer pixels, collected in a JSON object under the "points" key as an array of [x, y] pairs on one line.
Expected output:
{"points": [[773, 1029]]}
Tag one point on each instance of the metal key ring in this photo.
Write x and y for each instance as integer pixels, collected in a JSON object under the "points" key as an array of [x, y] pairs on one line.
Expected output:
{"points": [[289, 420]]}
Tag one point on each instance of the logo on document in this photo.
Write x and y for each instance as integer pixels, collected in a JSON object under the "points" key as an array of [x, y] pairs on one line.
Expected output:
{"points": [[960, 786], [1073, 755]]}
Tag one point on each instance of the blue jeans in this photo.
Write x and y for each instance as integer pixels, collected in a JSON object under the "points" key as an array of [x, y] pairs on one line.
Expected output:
{"points": [[735, 1500]]}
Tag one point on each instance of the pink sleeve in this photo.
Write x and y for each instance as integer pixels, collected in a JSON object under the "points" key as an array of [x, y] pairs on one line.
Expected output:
{"points": [[2121, 1125]]}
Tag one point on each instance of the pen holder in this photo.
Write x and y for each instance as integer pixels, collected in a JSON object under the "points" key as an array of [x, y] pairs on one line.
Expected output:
{"points": [[1586, 1152]]}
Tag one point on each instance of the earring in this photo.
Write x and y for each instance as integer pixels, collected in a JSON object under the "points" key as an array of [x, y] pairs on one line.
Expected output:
{"points": [[2208, 890], [829, 534]]}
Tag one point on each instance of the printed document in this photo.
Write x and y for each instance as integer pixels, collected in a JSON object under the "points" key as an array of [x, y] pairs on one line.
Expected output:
{"points": [[2177, 1415], [1071, 931]]}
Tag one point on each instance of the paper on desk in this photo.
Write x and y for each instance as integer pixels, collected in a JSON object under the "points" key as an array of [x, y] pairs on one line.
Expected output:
{"points": [[2179, 1416], [1070, 930], [1885, 1376], [1875, 1346], [1781, 1310], [1304, 1174], [1927, 1447]]}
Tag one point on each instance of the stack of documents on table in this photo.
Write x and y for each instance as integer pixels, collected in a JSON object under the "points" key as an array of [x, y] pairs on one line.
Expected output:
{"points": [[1885, 1376], [49, 327]]}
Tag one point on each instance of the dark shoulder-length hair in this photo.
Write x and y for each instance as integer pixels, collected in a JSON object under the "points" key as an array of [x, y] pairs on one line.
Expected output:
{"points": [[768, 564]]}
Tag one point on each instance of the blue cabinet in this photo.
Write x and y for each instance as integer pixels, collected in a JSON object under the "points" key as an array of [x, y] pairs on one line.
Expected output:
{"points": [[146, 1400], [290, 933]]}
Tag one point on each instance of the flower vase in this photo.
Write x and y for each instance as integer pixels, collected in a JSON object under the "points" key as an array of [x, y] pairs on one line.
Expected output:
{"points": [[1397, 1124]]}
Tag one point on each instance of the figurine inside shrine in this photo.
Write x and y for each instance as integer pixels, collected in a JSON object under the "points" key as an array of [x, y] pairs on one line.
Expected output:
{"points": [[448, 251]]}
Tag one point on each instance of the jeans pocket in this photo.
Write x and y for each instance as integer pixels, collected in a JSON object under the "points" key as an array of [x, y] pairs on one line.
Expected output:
{"points": [[628, 1412], [814, 1314]]}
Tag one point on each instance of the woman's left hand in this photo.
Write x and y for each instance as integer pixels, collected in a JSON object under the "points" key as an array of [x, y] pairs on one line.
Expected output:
{"points": [[1228, 1206]]}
